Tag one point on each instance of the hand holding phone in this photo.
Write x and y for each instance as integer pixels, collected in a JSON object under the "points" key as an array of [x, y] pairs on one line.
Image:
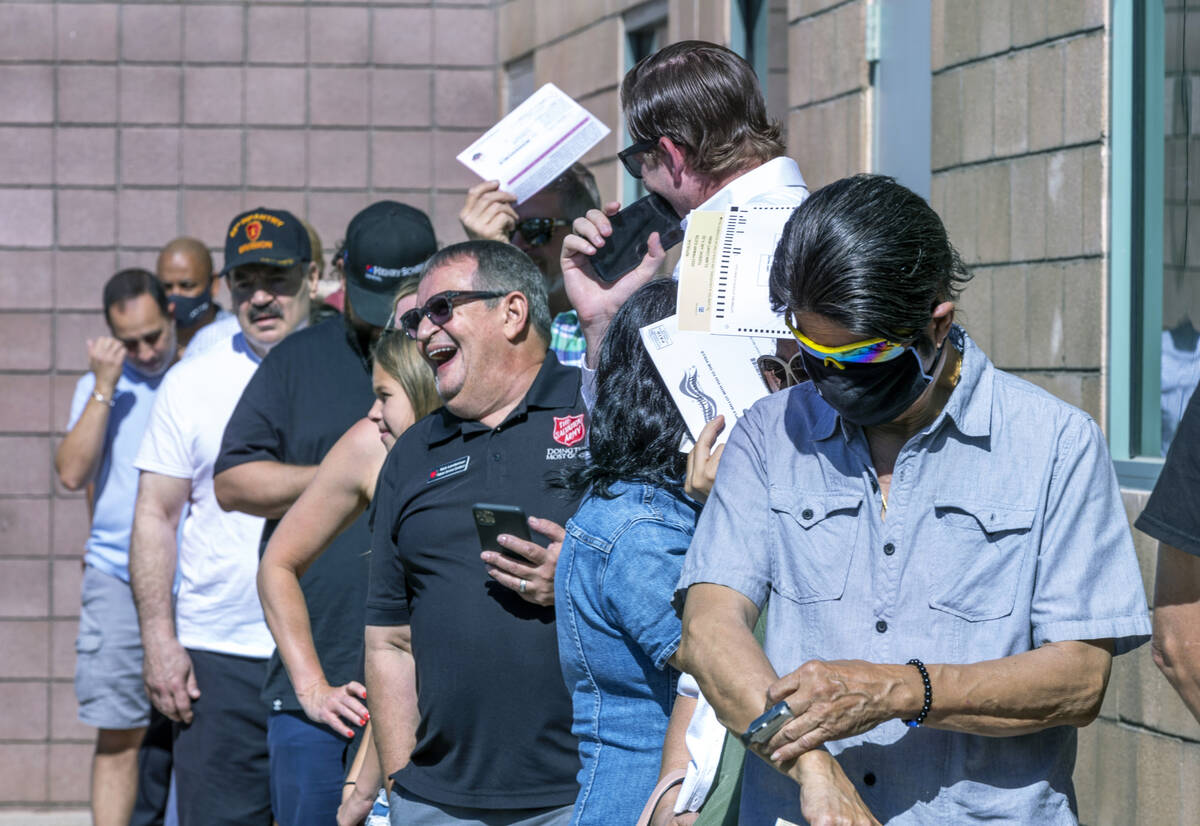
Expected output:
{"points": [[493, 520], [625, 248]]}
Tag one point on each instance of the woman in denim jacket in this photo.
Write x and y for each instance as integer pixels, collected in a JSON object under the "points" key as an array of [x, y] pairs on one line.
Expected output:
{"points": [[624, 548]]}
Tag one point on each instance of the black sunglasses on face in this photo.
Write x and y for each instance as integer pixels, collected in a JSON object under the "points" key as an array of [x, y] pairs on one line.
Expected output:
{"points": [[537, 231], [439, 308], [631, 156]]}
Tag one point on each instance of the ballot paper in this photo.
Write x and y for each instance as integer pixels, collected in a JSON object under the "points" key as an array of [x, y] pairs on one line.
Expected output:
{"points": [[707, 375], [725, 270], [534, 143]]}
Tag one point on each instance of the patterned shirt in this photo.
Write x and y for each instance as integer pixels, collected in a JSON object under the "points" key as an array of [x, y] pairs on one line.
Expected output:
{"points": [[566, 339]]}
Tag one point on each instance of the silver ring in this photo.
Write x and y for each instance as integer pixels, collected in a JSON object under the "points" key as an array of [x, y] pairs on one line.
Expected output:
{"points": [[522, 586]]}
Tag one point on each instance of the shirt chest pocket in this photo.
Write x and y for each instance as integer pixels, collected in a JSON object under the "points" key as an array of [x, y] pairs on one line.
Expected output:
{"points": [[814, 539], [978, 550]]}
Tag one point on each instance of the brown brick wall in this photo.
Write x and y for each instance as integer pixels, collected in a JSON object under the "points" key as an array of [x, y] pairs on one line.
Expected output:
{"points": [[124, 125]]}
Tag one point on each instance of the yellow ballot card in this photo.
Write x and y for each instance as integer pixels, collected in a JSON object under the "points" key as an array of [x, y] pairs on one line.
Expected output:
{"points": [[697, 267]]}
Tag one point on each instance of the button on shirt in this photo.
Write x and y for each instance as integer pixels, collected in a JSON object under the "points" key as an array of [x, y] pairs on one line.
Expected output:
{"points": [[1006, 532], [311, 388], [495, 729]]}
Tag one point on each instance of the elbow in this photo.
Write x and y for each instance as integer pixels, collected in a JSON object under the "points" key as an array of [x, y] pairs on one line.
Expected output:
{"points": [[70, 477], [226, 493], [1169, 650], [71, 480], [1091, 698]]}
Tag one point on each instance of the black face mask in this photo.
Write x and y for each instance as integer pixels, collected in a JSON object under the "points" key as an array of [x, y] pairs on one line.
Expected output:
{"points": [[869, 394], [188, 311]]}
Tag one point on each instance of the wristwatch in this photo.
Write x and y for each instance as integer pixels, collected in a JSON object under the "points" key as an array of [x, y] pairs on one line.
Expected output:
{"points": [[100, 397]]}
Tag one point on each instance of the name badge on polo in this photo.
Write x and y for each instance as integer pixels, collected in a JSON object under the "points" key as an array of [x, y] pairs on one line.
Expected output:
{"points": [[448, 469]]}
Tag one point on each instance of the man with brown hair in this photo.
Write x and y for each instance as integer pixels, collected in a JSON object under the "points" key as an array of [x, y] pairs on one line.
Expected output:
{"points": [[703, 141]]}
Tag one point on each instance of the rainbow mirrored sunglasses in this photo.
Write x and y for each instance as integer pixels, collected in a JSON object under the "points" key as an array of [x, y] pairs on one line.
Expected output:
{"points": [[871, 351]]}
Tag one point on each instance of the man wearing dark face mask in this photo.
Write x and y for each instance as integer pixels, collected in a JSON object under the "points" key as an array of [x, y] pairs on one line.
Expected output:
{"points": [[949, 565], [185, 270]]}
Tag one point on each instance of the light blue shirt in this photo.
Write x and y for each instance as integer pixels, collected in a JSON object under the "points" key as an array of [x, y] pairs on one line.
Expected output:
{"points": [[116, 480], [1004, 531]]}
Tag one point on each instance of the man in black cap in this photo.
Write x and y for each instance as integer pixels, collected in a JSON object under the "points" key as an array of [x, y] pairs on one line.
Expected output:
{"points": [[210, 638], [309, 392]]}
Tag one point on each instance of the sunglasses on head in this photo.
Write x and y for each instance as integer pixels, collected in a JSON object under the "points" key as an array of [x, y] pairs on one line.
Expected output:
{"points": [[632, 156], [439, 308], [778, 374], [869, 351], [537, 231]]}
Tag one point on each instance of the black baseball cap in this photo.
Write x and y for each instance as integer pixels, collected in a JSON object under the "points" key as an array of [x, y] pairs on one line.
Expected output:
{"points": [[266, 236], [385, 243]]}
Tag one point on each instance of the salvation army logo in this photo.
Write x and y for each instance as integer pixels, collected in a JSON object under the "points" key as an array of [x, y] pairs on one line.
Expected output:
{"points": [[253, 230], [568, 430]]}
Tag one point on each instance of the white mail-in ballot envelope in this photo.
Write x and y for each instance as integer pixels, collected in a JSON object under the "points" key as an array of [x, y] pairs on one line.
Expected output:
{"points": [[707, 374], [534, 143]]}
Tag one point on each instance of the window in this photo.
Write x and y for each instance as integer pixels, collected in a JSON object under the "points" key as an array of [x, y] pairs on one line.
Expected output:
{"points": [[1155, 294], [748, 35], [902, 80], [645, 34], [519, 76]]}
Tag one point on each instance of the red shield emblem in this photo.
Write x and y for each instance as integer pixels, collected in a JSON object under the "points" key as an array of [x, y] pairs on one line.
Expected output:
{"points": [[253, 230], [569, 430]]}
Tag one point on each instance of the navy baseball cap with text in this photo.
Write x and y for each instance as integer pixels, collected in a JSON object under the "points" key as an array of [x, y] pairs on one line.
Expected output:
{"points": [[266, 236], [385, 243]]}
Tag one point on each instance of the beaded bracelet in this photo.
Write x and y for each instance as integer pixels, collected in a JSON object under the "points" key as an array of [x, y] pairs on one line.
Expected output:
{"points": [[920, 718]]}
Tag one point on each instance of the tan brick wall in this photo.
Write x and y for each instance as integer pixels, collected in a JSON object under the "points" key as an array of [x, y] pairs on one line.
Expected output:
{"points": [[124, 125], [827, 92], [1018, 160]]}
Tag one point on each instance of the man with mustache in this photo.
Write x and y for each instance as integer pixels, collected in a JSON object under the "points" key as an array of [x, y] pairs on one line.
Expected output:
{"points": [[206, 654], [309, 391]]}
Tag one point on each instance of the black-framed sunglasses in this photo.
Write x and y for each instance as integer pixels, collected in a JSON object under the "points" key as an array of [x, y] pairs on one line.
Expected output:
{"points": [[440, 307], [537, 231], [631, 156], [778, 374]]}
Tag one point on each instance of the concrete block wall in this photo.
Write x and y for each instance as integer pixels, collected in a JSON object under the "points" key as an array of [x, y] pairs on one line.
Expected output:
{"points": [[827, 89], [124, 125], [1018, 157]]}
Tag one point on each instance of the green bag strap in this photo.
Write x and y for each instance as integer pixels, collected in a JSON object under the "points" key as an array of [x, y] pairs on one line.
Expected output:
{"points": [[725, 797]]}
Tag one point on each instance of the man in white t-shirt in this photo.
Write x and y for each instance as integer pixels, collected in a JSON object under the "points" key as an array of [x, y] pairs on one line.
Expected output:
{"points": [[206, 655]]}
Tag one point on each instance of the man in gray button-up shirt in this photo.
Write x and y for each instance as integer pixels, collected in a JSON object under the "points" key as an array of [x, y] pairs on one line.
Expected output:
{"points": [[912, 503]]}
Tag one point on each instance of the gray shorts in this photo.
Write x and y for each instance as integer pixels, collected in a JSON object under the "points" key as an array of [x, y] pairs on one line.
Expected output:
{"points": [[108, 656], [408, 809]]}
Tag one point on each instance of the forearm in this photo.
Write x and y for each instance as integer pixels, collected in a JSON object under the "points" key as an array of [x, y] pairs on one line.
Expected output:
{"points": [[81, 449], [152, 559], [718, 649], [675, 751], [262, 488], [287, 616], [1058, 684], [1176, 644], [392, 699]]}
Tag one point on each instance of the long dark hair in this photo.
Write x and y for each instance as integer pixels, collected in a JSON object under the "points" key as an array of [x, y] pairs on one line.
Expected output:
{"points": [[636, 428]]}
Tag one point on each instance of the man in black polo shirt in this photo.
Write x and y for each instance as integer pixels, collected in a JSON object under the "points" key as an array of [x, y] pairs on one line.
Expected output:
{"points": [[493, 741], [306, 394]]}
